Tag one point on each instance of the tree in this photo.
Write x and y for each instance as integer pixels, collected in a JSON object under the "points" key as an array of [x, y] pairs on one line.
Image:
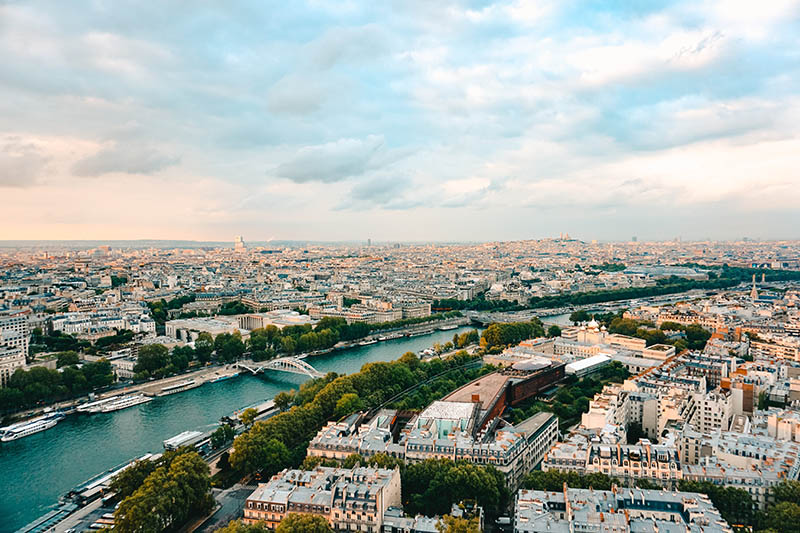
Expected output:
{"points": [[262, 454], [221, 435], [168, 496], [735, 505], [303, 523], [763, 400], [236, 526], [248, 416], [646, 484], [783, 517], [283, 400], [152, 357], [67, 358], [554, 331], [579, 316], [203, 347], [347, 404], [126, 482], [787, 491], [634, 432], [451, 524]]}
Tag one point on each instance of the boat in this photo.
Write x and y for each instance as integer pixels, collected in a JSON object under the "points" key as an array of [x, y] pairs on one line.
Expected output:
{"points": [[367, 343], [23, 429], [94, 407], [123, 402], [448, 328], [179, 387], [223, 378]]}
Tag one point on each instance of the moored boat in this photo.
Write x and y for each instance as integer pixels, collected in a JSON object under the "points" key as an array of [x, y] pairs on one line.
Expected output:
{"points": [[29, 427]]}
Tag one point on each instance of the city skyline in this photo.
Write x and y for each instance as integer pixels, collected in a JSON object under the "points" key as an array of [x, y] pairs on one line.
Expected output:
{"points": [[446, 122]]}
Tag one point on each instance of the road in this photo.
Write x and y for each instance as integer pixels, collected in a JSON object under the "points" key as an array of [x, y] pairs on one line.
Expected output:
{"points": [[231, 503]]}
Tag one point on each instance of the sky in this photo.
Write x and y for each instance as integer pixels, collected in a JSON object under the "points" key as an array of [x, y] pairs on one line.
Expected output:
{"points": [[411, 120]]}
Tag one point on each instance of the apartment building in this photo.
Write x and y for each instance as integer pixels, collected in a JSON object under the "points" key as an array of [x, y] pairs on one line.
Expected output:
{"points": [[443, 430], [14, 331], [11, 358], [619, 510], [349, 499], [784, 348]]}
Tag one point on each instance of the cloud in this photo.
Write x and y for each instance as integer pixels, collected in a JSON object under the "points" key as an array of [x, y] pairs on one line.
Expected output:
{"points": [[334, 161], [124, 158], [349, 44], [488, 108], [297, 94], [21, 164]]}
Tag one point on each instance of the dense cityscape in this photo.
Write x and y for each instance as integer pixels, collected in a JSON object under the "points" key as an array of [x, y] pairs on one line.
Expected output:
{"points": [[451, 266], [560, 383]]}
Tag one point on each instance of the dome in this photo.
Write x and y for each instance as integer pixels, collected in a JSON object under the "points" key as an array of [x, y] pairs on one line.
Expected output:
{"points": [[593, 324]]}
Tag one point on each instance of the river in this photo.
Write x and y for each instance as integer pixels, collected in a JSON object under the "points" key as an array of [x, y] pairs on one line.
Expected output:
{"points": [[35, 471]]}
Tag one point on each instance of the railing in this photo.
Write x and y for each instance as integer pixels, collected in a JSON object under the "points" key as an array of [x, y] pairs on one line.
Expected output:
{"points": [[293, 365]]}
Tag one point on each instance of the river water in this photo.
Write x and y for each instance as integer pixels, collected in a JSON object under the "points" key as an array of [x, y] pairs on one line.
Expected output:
{"points": [[35, 471]]}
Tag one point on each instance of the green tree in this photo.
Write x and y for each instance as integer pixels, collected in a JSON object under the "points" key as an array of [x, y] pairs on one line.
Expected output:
{"points": [[303, 523], [283, 400], [152, 358], [248, 416], [580, 316], [204, 346], [126, 482], [735, 505], [222, 435], [236, 526], [783, 517], [451, 524], [554, 331], [787, 491], [67, 358], [167, 497], [347, 404]]}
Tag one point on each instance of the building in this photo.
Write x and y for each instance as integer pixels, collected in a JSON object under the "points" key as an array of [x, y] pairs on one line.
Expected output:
{"points": [[785, 348], [187, 329], [443, 430], [238, 244], [279, 318], [14, 331], [11, 358], [620, 510], [349, 499], [584, 367]]}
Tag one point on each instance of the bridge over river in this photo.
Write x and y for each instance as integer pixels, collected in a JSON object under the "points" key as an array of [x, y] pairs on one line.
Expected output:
{"points": [[294, 365]]}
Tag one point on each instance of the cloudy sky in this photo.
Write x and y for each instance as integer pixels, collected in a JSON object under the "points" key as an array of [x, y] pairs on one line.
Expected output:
{"points": [[399, 120]]}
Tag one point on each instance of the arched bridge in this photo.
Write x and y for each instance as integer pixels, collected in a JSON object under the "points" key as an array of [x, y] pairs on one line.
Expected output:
{"points": [[294, 365]]}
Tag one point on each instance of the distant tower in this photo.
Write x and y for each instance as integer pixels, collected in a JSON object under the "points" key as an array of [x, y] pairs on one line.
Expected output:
{"points": [[763, 277], [238, 244], [633, 239], [369, 242], [753, 291]]}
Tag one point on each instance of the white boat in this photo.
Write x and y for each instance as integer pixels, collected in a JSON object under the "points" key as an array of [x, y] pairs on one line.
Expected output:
{"points": [[180, 387], [124, 402], [367, 343], [23, 429], [95, 407], [448, 328]]}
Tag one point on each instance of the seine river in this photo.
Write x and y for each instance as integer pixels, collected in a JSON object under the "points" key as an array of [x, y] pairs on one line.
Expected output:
{"points": [[35, 471]]}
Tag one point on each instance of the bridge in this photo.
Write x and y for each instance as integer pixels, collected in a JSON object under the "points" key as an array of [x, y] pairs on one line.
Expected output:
{"points": [[295, 365]]}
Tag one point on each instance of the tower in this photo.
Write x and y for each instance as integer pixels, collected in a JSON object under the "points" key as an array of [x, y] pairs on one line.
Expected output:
{"points": [[238, 244], [753, 291]]}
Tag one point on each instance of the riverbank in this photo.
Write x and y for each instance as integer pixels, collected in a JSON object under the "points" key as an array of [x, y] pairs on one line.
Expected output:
{"points": [[39, 469], [209, 373]]}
